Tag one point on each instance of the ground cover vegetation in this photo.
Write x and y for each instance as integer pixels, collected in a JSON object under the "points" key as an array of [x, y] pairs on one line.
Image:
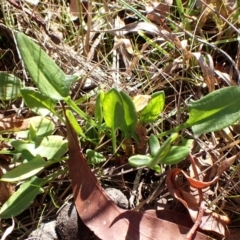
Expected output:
{"points": [[142, 96]]}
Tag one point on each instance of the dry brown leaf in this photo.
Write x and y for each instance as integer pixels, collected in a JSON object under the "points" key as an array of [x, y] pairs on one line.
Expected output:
{"points": [[211, 221], [101, 214], [200, 165], [225, 164], [15, 123], [149, 28], [172, 216], [11, 123], [225, 77], [159, 12], [207, 69], [94, 45]]}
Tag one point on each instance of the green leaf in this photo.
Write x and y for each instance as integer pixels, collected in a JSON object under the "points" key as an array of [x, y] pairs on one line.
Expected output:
{"points": [[154, 108], [74, 123], [22, 198], [94, 157], [130, 115], [25, 170], [139, 160], [51, 147], [157, 169], [38, 102], [9, 86], [186, 142], [42, 126], [32, 135], [113, 109], [113, 113], [163, 151], [154, 145], [176, 154], [80, 112], [46, 75], [215, 111]]}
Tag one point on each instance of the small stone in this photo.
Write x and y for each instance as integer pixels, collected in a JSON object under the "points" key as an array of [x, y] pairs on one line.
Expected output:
{"points": [[118, 197], [70, 227], [45, 231]]}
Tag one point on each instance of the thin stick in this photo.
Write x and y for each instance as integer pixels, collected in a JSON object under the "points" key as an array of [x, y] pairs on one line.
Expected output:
{"points": [[193, 230], [202, 206]]}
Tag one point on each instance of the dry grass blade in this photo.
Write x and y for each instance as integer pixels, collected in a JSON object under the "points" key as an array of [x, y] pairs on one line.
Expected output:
{"points": [[8, 231]]}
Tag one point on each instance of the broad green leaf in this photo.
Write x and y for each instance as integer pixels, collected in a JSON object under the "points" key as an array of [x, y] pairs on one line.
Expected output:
{"points": [[74, 123], [46, 75], [176, 154], [154, 145], [22, 198], [130, 115], [51, 147], [9, 86], [25, 170], [23, 156], [94, 157], [42, 126], [139, 160], [38, 102], [154, 108], [113, 112], [163, 151], [215, 111]]}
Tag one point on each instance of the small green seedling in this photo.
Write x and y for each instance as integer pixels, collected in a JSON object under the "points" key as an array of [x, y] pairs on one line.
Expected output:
{"points": [[94, 157], [165, 154]]}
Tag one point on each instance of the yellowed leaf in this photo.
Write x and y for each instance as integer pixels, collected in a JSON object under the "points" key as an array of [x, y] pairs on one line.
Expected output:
{"points": [[141, 101]]}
